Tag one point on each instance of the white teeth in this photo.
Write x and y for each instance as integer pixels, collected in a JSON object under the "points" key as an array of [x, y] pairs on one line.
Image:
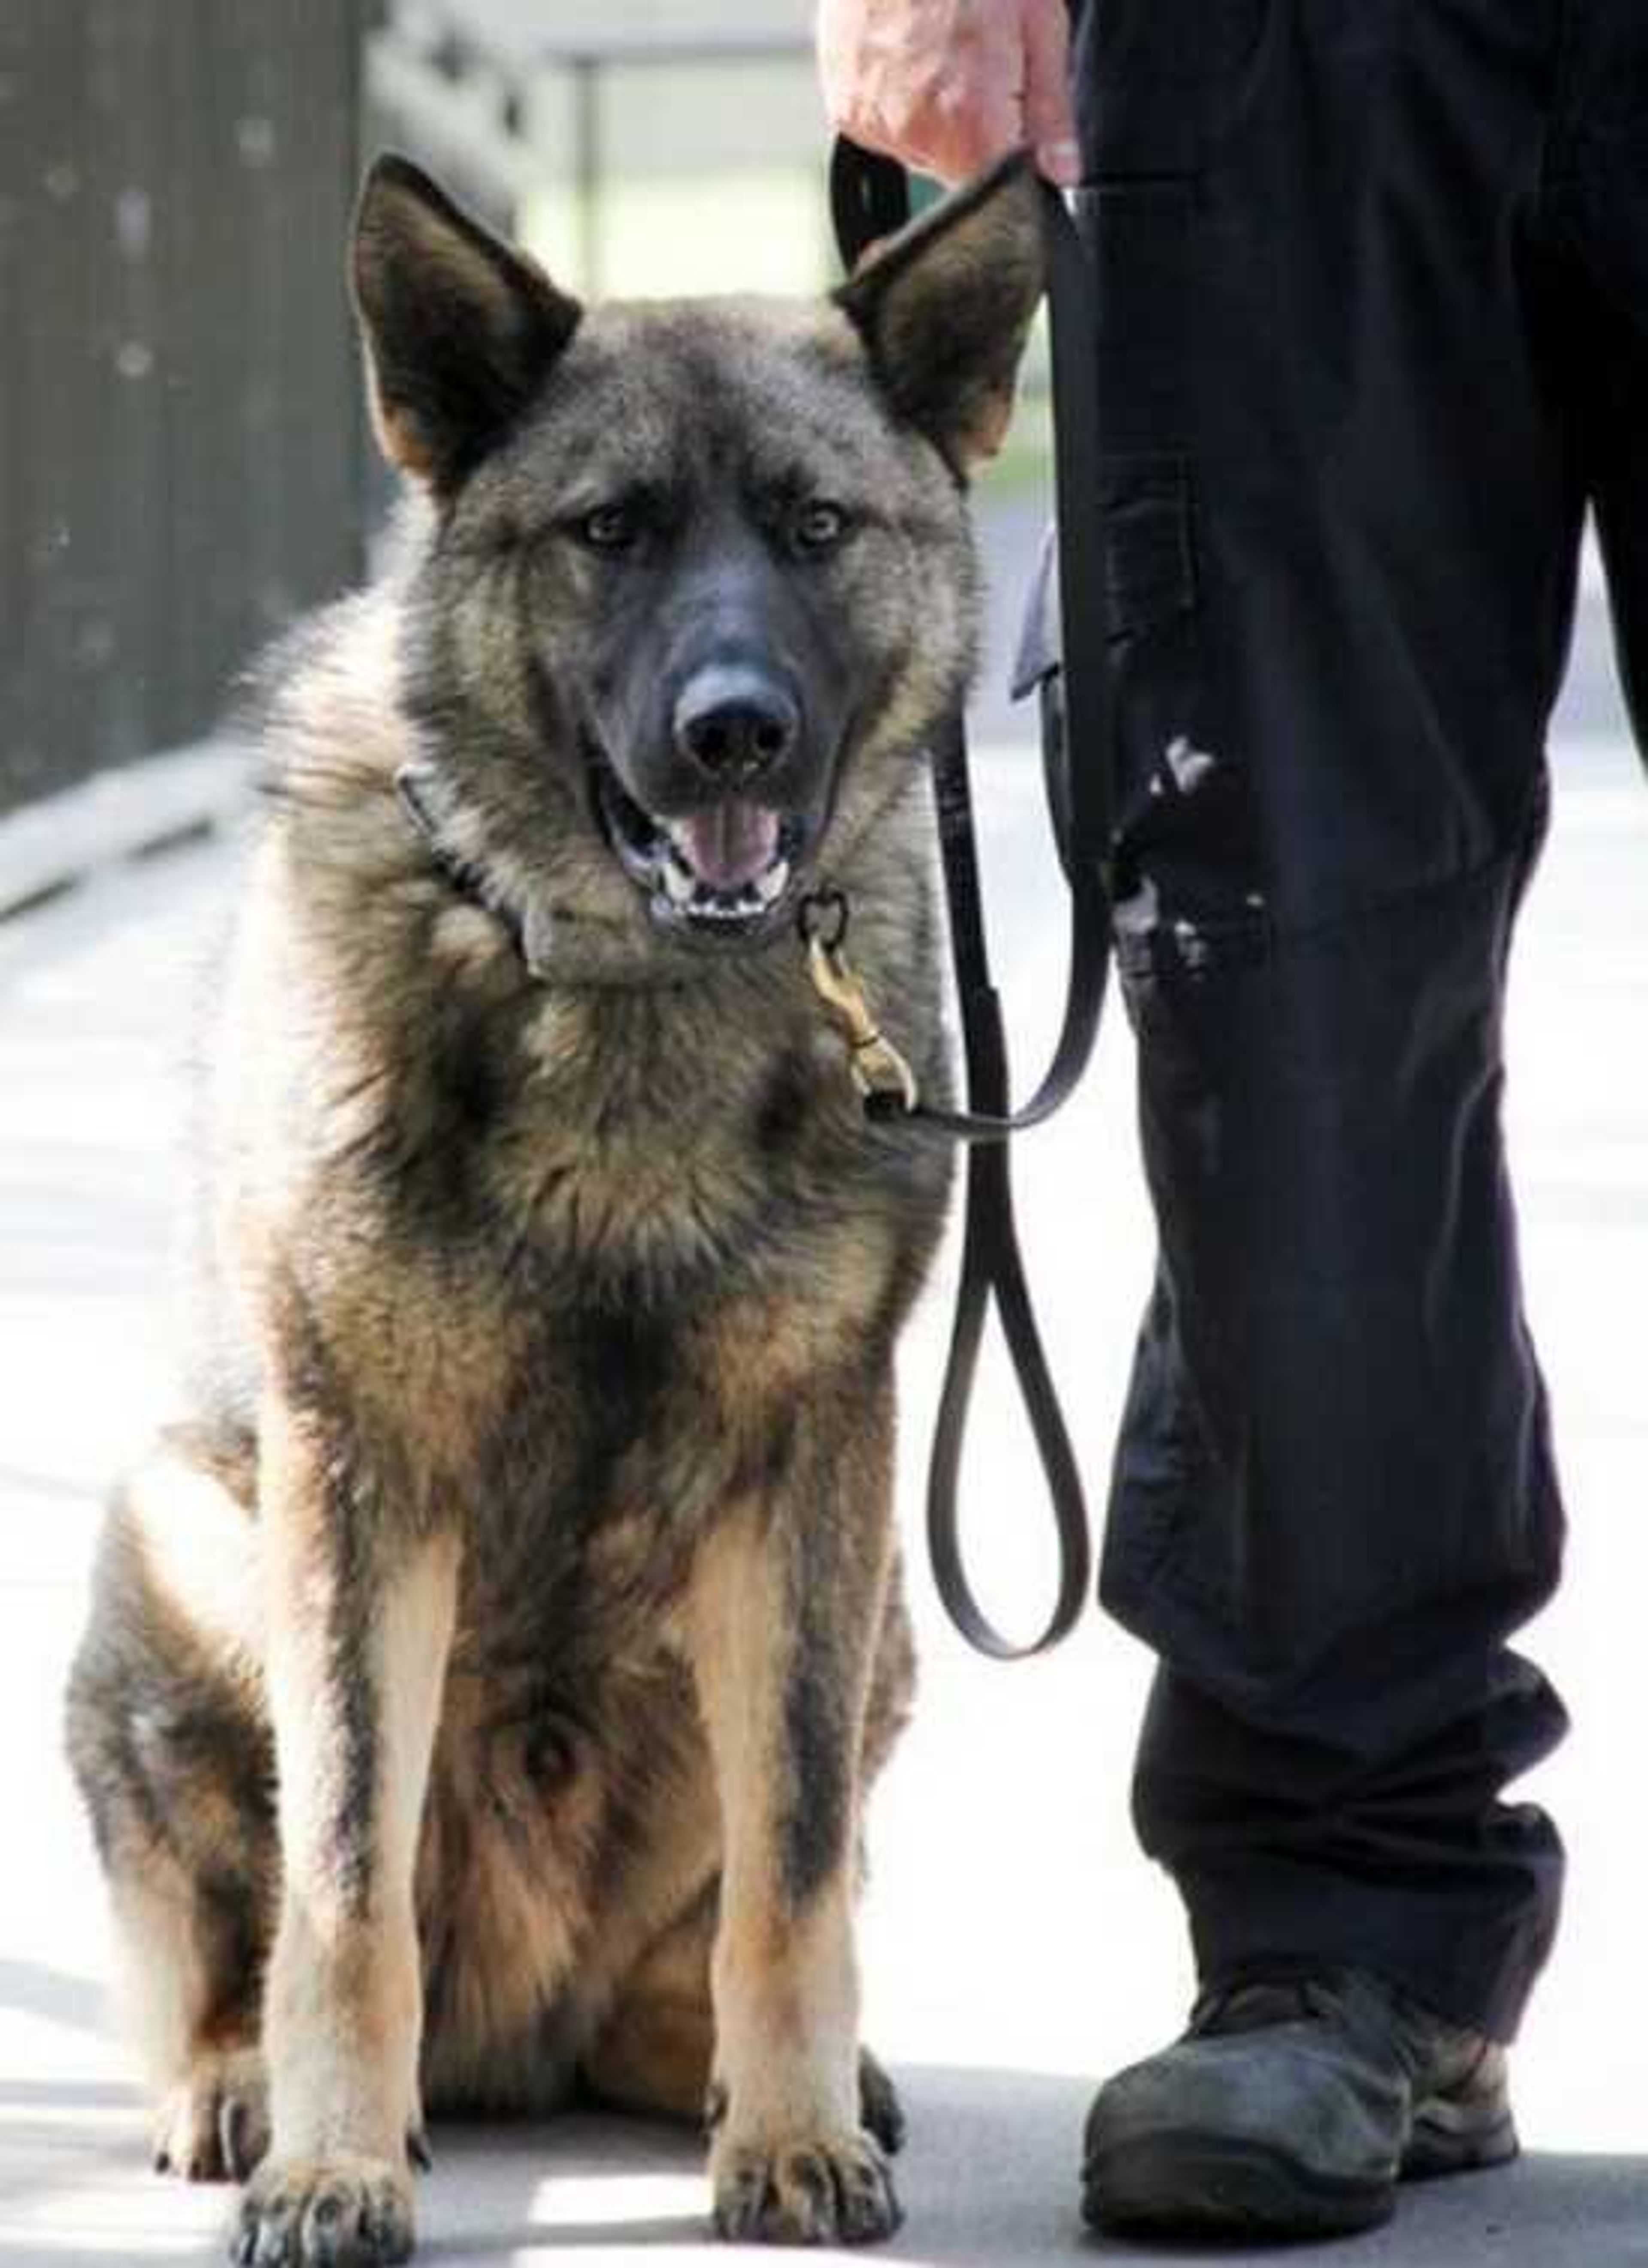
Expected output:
{"points": [[689, 893]]}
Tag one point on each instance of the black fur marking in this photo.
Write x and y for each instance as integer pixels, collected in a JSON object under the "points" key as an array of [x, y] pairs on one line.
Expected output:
{"points": [[778, 1454], [785, 1108], [354, 1694], [623, 1368], [767, 1465], [550, 1757], [471, 1088], [234, 1936], [813, 1830], [438, 1958], [344, 1529]]}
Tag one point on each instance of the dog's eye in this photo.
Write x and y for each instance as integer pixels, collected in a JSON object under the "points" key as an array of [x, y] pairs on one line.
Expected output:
{"points": [[610, 527], [819, 525]]}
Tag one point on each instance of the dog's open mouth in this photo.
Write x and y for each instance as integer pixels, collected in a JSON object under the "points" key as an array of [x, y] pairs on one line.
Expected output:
{"points": [[724, 872]]}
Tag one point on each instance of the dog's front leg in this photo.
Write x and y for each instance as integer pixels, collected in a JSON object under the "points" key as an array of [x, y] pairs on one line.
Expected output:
{"points": [[787, 1606], [359, 1625]]}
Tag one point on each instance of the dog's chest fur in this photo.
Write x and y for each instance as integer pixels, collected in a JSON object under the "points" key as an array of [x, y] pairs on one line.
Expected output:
{"points": [[570, 1263]]}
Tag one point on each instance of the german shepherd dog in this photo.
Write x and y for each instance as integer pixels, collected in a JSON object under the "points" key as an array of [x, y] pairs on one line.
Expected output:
{"points": [[484, 1675]]}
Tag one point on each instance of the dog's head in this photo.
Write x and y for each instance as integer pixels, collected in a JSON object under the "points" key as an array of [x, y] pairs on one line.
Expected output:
{"points": [[699, 583]]}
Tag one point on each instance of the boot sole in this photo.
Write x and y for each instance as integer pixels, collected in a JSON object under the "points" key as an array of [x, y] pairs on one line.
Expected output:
{"points": [[1200, 2185]]}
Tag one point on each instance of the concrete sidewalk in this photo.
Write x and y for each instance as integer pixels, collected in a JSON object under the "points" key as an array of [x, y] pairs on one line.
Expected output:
{"points": [[1015, 1945]]}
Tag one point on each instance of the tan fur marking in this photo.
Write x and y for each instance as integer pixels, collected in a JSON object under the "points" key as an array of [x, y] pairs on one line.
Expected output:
{"points": [[200, 1550], [161, 1984], [785, 1986], [655, 2055]]}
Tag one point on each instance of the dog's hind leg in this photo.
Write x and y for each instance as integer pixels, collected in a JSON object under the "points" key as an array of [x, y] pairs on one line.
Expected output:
{"points": [[655, 2050], [784, 1623], [186, 1950], [171, 1752]]}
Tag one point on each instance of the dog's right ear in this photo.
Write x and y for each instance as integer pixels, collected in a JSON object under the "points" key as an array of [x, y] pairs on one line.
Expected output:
{"points": [[459, 330]]}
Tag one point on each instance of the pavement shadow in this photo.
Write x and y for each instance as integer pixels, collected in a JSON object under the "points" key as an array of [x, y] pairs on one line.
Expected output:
{"points": [[988, 2179], [35, 1990]]}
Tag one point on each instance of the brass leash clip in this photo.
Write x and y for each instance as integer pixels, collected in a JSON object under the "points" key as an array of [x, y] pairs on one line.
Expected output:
{"points": [[876, 1064]]}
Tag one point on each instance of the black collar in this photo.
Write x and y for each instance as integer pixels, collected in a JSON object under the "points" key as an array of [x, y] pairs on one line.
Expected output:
{"points": [[417, 785]]}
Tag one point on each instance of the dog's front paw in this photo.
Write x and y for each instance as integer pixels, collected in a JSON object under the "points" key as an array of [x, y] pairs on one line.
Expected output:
{"points": [[213, 2125], [341, 2212], [833, 2189]]}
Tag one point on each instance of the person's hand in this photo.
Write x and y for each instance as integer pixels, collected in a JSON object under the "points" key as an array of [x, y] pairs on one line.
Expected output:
{"points": [[947, 85]]}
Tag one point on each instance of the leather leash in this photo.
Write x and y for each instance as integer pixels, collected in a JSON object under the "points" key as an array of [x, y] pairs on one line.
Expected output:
{"points": [[870, 198]]}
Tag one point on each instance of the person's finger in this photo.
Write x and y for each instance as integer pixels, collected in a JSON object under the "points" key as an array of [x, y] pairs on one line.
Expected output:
{"points": [[951, 135], [1049, 122], [845, 64]]}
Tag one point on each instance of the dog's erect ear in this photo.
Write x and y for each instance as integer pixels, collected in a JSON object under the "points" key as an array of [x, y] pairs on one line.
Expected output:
{"points": [[944, 308], [459, 330]]}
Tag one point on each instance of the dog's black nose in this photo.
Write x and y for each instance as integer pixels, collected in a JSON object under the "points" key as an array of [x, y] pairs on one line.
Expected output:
{"points": [[734, 721]]}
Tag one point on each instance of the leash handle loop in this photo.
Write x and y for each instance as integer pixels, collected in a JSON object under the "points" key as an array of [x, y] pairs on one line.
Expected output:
{"points": [[992, 1268], [870, 197]]}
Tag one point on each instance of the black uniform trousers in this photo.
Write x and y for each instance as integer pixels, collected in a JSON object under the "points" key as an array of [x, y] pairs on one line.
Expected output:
{"points": [[1373, 284]]}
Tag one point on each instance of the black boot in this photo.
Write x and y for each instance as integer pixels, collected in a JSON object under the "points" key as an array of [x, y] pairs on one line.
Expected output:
{"points": [[1292, 2107]]}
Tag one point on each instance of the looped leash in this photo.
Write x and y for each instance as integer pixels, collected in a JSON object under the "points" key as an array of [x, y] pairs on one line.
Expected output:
{"points": [[870, 199]]}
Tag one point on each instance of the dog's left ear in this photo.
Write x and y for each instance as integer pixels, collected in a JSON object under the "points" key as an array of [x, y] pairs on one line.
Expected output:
{"points": [[944, 308], [460, 328]]}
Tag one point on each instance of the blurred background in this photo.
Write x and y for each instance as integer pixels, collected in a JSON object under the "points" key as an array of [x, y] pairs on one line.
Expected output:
{"points": [[183, 462]]}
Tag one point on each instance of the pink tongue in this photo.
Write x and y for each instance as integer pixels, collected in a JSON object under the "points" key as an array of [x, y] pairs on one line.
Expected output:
{"points": [[730, 845]]}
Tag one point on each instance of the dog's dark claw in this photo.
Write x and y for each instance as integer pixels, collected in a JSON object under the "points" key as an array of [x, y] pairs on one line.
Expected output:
{"points": [[419, 2151], [354, 2213], [835, 2191], [879, 2110], [232, 2121]]}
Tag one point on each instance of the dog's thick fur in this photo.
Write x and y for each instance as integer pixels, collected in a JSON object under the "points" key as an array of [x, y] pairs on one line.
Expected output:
{"points": [[483, 1677]]}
